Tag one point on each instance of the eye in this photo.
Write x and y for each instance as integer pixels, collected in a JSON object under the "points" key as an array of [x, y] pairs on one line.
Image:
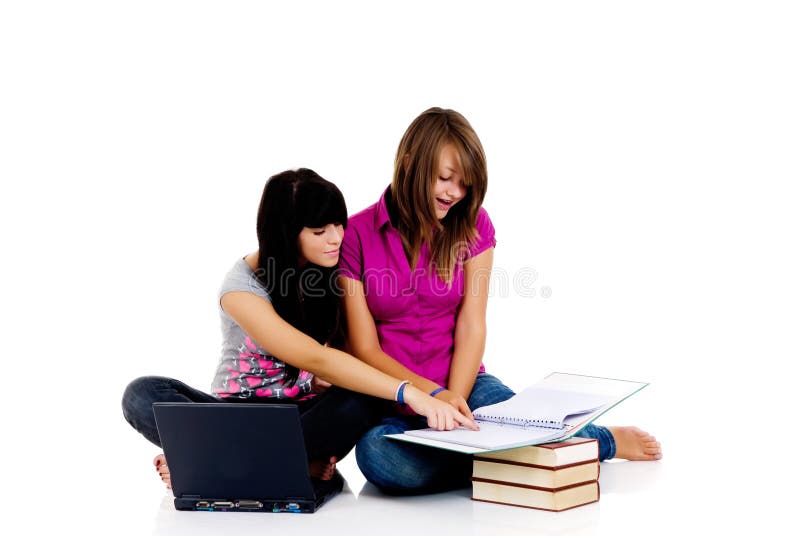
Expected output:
{"points": [[444, 179], [319, 232]]}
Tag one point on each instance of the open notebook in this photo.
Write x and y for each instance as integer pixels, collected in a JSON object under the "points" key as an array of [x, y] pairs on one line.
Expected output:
{"points": [[554, 409]]}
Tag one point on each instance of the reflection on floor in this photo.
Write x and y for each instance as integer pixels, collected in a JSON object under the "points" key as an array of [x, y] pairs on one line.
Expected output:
{"points": [[362, 509]]}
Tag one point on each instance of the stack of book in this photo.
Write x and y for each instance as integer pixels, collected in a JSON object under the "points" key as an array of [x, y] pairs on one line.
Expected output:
{"points": [[552, 476]]}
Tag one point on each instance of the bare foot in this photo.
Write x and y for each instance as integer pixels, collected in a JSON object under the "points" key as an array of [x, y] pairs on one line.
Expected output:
{"points": [[635, 444], [163, 470], [321, 469]]}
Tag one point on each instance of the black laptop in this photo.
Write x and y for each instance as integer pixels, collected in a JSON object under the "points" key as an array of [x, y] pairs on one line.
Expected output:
{"points": [[238, 457]]}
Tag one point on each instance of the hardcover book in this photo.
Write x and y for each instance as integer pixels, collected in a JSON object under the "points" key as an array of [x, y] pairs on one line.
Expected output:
{"points": [[534, 475], [555, 500], [567, 452]]}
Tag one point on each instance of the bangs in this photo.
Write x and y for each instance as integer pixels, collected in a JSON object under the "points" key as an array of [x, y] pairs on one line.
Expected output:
{"points": [[318, 204], [466, 161]]}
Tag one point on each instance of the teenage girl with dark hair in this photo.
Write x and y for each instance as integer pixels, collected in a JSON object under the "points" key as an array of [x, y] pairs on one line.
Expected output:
{"points": [[415, 271], [280, 324]]}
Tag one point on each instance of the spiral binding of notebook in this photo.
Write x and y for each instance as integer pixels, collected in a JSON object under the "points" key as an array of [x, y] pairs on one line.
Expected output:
{"points": [[518, 421]]}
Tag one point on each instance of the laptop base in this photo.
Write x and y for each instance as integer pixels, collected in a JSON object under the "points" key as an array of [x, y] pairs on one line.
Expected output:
{"points": [[245, 505], [325, 488]]}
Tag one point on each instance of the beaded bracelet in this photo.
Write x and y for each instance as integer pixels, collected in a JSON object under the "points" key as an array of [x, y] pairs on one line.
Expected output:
{"points": [[437, 391], [400, 389]]}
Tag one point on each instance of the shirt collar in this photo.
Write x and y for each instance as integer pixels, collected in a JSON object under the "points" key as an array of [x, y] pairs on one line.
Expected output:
{"points": [[382, 214]]}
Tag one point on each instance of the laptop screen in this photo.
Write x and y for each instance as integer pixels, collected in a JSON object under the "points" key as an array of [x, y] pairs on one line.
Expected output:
{"points": [[234, 451]]}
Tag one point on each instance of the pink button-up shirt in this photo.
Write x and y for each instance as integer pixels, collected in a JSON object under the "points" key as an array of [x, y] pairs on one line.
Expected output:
{"points": [[414, 312]]}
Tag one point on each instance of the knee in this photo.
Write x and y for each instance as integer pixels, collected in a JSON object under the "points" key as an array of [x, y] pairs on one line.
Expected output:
{"points": [[399, 468], [371, 451], [138, 398], [488, 390], [378, 461]]}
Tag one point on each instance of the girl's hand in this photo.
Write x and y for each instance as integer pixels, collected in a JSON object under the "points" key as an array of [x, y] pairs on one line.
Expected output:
{"points": [[455, 400], [318, 385], [440, 415]]}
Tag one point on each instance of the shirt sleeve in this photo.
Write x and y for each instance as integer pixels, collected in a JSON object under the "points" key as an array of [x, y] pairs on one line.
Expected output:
{"points": [[485, 238], [351, 258], [241, 278]]}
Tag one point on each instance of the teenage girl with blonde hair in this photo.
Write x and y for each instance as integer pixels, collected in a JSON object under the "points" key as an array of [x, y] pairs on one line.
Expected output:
{"points": [[415, 269]]}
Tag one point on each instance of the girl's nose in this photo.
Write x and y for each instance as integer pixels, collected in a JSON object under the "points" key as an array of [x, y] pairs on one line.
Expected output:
{"points": [[333, 235]]}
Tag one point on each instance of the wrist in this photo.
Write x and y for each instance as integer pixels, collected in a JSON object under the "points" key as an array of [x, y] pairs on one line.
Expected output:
{"points": [[437, 391], [413, 395], [399, 395]]}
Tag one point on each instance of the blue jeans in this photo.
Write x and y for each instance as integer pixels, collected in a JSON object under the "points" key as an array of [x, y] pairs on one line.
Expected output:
{"points": [[400, 468], [332, 421]]}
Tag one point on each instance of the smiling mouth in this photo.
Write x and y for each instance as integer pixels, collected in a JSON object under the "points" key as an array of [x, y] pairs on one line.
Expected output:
{"points": [[332, 252], [444, 205]]}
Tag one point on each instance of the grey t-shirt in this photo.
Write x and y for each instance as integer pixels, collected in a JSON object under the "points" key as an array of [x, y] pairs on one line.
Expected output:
{"points": [[245, 369]]}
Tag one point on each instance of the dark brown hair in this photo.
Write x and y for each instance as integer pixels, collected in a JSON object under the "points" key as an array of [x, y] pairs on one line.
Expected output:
{"points": [[304, 296]]}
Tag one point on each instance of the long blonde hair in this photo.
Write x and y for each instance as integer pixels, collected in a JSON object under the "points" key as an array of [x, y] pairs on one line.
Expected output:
{"points": [[416, 170]]}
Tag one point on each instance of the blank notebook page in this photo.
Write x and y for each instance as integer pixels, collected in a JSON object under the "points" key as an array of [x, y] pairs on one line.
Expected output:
{"points": [[542, 406]]}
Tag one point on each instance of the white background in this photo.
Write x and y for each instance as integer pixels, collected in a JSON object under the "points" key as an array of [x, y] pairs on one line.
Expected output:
{"points": [[643, 163]]}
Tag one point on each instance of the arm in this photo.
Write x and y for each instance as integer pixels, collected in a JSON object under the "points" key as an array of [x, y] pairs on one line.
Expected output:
{"points": [[363, 340], [470, 332], [362, 336], [258, 318]]}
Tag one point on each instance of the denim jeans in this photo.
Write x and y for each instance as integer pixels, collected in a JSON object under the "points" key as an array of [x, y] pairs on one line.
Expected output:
{"points": [[332, 421], [400, 468]]}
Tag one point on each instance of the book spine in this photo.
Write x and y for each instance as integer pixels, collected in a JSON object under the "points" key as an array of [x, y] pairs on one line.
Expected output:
{"points": [[538, 507], [545, 467], [537, 488], [552, 500]]}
